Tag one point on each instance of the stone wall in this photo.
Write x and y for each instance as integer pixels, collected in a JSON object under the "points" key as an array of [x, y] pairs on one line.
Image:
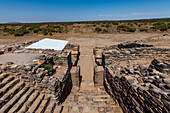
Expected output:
{"points": [[136, 99], [137, 87]]}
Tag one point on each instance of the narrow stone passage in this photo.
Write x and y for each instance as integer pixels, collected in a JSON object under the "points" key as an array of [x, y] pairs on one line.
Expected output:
{"points": [[89, 99]]}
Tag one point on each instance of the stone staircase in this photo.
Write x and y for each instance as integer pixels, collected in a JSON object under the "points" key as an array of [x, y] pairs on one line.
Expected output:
{"points": [[89, 99], [16, 96]]}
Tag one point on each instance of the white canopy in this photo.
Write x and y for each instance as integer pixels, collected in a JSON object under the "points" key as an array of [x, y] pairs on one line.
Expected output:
{"points": [[49, 44]]}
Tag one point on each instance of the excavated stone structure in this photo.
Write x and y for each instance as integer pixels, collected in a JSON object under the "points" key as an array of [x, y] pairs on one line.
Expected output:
{"points": [[137, 87]]}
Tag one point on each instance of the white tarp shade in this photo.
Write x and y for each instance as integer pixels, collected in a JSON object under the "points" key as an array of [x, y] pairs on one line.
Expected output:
{"points": [[49, 44]]}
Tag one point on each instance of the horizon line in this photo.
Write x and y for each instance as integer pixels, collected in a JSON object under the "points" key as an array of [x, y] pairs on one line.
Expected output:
{"points": [[70, 21]]}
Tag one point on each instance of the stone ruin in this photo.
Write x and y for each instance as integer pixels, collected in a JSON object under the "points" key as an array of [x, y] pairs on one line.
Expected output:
{"points": [[135, 75], [46, 80]]}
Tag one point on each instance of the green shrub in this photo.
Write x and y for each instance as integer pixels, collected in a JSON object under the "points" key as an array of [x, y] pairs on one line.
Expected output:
{"points": [[36, 30], [59, 30], [98, 29], [102, 25], [107, 26], [50, 33], [31, 28], [128, 23], [131, 29], [105, 31], [51, 30], [139, 25], [18, 33], [122, 26], [157, 24], [45, 32], [136, 23], [11, 31], [57, 26], [48, 67], [142, 30], [164, 28], [115, 23]]}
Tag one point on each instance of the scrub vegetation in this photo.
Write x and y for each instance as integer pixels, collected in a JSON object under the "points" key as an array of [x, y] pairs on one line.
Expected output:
{"points": [[126, 26]]}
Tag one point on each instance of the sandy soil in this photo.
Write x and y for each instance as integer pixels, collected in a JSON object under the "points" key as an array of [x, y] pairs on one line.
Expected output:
{"points": [[89, 41], [18, 59]]}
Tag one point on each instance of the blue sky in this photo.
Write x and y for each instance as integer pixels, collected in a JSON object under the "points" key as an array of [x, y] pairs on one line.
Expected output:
{"points": [[81, 10]]}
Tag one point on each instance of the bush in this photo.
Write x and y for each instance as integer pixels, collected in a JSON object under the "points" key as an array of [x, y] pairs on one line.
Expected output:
{"points": [[143, 30], [48, 67], [122, 26], [139, 25], [45, 32], [102, 25], [136, 23], [36, 30], [164, 28], [131, 29], [51, 30], [107, 26], [98, 29], [50, 33], [20, 32], [11, 31], [115, 23], [105, 31], [128, 23], [59, 30], [157, 24]]}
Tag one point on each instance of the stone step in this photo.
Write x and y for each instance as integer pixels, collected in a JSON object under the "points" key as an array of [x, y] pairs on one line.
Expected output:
{"points": [[50, 107], [6, 81], [43, 105], [22, 100], [91, 109], [3, 75], [36, 103], [14, 100], [9, 86], [5, 98], [29, 102]]}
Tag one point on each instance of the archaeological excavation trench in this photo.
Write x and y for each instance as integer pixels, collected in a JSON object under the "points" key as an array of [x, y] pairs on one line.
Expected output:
{"points": [[129, 77]]}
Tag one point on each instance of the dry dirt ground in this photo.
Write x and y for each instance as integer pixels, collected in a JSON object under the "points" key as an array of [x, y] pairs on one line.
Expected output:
{"points": [[18, 59], [88, 41]]}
